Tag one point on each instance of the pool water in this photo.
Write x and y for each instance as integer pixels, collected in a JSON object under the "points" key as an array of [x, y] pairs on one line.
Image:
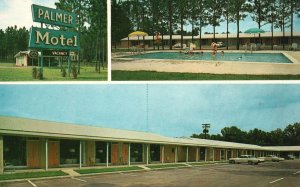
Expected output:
{"points": [[244, 57]]}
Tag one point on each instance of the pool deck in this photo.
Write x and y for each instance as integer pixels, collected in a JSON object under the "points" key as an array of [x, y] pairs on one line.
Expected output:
{"points": [[205, 66]]}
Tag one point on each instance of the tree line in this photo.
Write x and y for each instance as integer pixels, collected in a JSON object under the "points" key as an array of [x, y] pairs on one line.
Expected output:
{"points": [[12, 40], [289, 136], [169, 17], [92, 26]]}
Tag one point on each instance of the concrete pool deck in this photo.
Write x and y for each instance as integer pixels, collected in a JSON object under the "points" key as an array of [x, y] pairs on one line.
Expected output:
{"points": [[206, 66]]}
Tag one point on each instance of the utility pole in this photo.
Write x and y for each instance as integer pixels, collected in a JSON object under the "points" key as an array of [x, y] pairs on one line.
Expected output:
{"points": [[205, 127]]}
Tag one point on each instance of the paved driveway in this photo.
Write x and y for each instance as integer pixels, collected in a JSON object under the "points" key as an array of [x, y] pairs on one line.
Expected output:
{"points": [[285, 173]]}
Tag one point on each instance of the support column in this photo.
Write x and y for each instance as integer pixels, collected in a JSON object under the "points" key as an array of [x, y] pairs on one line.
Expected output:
{"points": [[163, 154], [205, 159], [80, 153], [1, 155], [187, 154], [147, 154], [129, 154], [69, 64], [175, 154], [107, 149], [46, 155], [213, 154], [197, 154], [226, 156]]}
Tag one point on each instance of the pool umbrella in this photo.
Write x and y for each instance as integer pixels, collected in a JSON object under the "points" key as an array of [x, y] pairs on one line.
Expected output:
{"points": [[138, 34], [254, 31]]}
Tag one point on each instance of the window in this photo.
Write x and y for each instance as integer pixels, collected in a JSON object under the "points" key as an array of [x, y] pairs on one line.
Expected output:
{"points": [[14, 151], [101, 151], [136, 152], [69, 151], [202, 153], [154, 152]]}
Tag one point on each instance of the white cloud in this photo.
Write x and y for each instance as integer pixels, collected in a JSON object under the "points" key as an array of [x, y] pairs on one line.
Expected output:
{"points": [[16, 12]]}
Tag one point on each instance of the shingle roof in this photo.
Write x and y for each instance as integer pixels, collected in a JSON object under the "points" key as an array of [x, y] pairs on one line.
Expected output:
{"points": [[219, 36], [42, 128]]}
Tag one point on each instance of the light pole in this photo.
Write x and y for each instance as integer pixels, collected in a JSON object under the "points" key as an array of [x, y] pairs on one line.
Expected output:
{"points": [[205, 127]]}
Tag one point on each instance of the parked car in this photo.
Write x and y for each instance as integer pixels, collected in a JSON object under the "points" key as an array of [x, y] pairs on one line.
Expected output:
{"points": [[220, 44], [249, 159], [178, 45], [272, 158], [261, 159], [291, 157]]}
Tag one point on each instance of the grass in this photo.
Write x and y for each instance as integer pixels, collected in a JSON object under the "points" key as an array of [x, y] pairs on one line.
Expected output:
{"points": [[153, 75], [7, 64], [27, 175], [105, 170], [165, 166], [88, 73], [205, 163]]}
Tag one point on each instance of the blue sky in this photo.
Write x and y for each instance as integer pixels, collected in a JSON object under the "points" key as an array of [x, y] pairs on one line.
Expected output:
{"points": [[174, 109], [18, 12]]}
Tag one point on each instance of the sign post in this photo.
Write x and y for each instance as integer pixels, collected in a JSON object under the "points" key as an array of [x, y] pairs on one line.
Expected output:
{"points": [[59, 42]]}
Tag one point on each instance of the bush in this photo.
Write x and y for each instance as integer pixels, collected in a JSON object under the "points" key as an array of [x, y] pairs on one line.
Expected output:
{"points": [[63, 72], [74, 72], [34, 72], [40, 74]]}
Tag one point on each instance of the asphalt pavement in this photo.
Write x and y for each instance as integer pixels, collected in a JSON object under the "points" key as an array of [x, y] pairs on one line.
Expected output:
{"points": [[286, 173]]}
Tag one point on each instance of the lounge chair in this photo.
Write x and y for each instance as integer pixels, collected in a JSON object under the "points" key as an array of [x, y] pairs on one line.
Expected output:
{"points": [[253, 47], [258, 46], [294, 46]]}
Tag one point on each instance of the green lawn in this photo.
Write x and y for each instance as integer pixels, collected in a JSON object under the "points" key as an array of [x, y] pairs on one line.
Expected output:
{"points": [[208, 162], [104, 170], [27, 175], [7, 64], [165, 166], [153, 75], [88, 73]]}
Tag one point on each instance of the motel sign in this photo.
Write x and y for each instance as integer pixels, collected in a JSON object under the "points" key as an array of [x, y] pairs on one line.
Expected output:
{"points": [[53, 39], [53, 16], [54, 42], [41, 38]]}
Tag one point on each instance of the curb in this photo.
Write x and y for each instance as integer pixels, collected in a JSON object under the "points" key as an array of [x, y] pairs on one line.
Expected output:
{"points": [[113, 172]]}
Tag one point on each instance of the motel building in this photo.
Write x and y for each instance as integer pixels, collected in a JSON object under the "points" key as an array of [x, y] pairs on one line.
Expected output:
{"points": [[207, 39], [37, 144]]}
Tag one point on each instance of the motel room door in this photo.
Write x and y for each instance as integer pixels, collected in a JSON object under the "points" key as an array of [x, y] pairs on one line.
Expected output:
{"points": [[53, 153], [114, 153], [33, 153]]}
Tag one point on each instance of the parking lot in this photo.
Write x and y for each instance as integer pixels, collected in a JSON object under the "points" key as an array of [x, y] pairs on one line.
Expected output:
{"points": [[286, 173]]}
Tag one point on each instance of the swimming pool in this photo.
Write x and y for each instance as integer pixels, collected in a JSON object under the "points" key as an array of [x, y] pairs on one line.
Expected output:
{"points": [[234, 57]]}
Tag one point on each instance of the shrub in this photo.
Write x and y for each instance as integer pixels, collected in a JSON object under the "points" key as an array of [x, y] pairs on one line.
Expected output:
{"points": [[63, 72], [40, 74], [74, 72], [34, 72]]}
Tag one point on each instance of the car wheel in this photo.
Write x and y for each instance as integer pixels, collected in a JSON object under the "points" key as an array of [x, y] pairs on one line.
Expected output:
{"points": [[250, 163]]}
